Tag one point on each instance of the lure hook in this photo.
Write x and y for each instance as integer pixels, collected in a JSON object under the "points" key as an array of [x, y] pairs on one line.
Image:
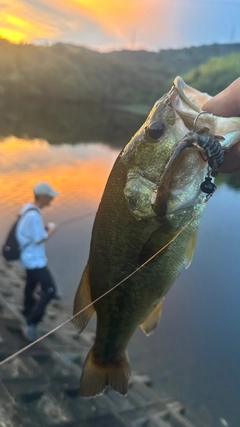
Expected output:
{"points": [[196, 119]]}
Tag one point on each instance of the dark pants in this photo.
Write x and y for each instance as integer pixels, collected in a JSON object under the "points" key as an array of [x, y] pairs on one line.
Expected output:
{"points": [[34, 310]]}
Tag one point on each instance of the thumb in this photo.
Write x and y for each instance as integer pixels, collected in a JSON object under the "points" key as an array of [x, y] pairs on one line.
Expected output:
{"points": [[225, 103]]}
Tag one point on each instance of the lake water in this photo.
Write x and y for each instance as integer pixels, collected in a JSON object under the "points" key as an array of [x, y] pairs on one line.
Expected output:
{"points": [[194, 354]]}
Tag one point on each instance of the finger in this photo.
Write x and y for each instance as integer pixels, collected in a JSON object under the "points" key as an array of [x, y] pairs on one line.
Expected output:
{"points": [[225, 103], [231, 160]]}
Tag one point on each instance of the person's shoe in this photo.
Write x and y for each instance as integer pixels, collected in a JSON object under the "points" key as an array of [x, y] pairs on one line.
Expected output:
{"points": [[29, 332]]}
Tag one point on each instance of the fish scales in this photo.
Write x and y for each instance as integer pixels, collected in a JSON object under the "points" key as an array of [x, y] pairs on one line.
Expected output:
{"points": [[127, 232]]}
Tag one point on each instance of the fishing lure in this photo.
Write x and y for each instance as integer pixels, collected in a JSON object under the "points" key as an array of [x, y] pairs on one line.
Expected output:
{"points": [[211, 147], [208, 145]]}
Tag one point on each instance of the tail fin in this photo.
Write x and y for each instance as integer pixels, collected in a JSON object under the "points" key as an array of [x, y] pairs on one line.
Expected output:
{"points": [[96, 377]]}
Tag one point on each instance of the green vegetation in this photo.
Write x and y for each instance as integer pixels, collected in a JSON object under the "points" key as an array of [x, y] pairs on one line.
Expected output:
{"points": [[70, 73], [216, 74]]}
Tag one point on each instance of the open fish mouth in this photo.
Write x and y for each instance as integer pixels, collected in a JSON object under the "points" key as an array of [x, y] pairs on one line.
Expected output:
{"points": [[167, 160], [188, 103], [200, 152]]}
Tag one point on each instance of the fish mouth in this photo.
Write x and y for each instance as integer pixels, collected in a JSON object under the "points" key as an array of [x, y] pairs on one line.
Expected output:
{"points": [[186, 97], [188, 103], [184, 172], [175, 182]]}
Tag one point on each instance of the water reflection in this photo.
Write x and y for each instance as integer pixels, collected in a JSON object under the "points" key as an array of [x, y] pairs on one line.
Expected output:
{"points": [[68, 123], [194, 354], [229, 180], [79, 172]]}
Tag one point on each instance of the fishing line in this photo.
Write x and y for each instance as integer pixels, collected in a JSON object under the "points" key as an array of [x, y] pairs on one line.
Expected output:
{"points": [[76, 218], [70, 220], [101, 296]]}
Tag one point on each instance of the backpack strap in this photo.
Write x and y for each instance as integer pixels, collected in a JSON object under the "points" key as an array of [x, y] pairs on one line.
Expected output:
{"points": [[28, 210], [21, 216]]}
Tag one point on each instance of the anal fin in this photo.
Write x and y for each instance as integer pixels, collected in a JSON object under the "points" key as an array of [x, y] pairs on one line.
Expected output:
{"points": [[83, 299], [153, 318]]}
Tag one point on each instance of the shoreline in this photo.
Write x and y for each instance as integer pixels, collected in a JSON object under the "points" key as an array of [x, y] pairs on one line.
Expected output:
{"points": [[39, 387]]}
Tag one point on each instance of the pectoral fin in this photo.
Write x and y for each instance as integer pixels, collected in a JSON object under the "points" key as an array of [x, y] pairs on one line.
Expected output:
{"points": [[191, 249], [157, 241], [83, 299], [152, 320]]}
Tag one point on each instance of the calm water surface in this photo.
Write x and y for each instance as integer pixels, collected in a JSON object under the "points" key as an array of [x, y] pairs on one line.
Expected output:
{"points": [[194, 354]]}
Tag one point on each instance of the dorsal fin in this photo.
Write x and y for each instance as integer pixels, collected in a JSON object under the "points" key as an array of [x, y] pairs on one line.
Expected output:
{"points": [[151, 322], [81, 300], [191, 249]]}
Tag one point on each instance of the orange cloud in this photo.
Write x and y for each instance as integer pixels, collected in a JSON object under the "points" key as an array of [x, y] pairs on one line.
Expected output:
{"points": [[114, 15], [20, 22], [100, 23], [146, 18]]}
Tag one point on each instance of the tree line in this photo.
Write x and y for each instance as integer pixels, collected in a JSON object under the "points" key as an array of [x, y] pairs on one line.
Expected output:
{"points": [[73, 74]]}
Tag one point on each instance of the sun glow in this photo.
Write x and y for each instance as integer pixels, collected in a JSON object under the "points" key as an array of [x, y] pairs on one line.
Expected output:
{"points": [[20, 22], [83, 20], [14, 36]]}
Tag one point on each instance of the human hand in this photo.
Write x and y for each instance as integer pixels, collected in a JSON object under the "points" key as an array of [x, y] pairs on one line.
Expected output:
{"points": [[51, 226], [227, 104]]}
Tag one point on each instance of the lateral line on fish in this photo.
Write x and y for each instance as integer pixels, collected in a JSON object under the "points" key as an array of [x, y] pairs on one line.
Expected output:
{"points": [[22, 350]]}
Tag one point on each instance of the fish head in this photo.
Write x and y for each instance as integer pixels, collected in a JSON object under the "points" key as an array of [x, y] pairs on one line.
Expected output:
{"points": [[148, 157], [148, 153]]}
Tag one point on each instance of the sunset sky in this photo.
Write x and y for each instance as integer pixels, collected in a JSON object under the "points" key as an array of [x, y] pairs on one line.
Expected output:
{"points": [[117, 24]]}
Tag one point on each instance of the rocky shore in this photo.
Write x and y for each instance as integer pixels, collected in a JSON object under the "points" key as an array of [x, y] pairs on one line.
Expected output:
{"points": [[39, 387]]}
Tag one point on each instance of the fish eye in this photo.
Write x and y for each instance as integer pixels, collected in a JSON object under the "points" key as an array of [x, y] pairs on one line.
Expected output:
{"points": [[155, 130]]}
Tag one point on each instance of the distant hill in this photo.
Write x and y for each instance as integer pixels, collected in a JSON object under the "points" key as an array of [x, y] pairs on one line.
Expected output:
{"points": [[215, 74], [75, 74]]}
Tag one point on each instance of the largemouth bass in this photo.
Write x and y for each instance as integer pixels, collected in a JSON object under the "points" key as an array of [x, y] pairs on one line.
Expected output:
{"points": [[152, 197]]}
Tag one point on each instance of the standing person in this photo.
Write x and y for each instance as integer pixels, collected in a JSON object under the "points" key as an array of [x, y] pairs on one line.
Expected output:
{"points": [[32, 235]]}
